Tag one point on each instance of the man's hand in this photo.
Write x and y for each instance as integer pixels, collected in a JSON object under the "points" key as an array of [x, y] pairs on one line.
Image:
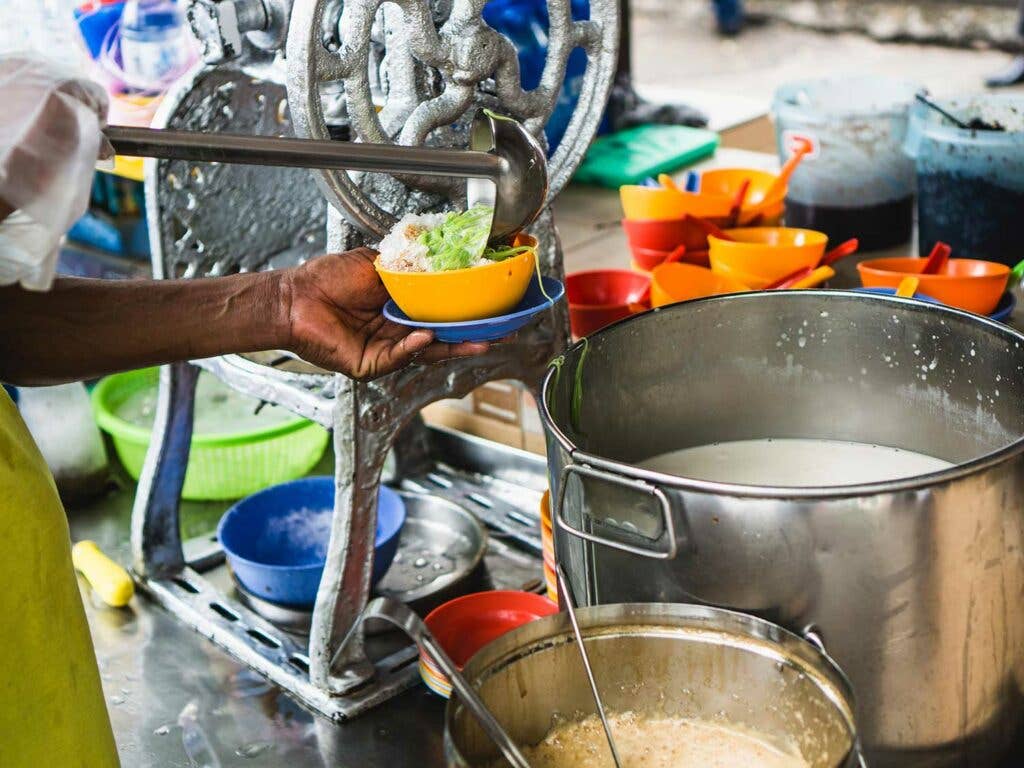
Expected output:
{"points": [[334, 318]]}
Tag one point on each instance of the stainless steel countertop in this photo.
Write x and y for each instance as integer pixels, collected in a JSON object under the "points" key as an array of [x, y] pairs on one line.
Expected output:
{"points": [[176, 701]]}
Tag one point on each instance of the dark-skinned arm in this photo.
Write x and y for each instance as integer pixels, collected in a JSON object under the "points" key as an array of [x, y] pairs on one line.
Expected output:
{"points": [[83, 329], [327, 311]]}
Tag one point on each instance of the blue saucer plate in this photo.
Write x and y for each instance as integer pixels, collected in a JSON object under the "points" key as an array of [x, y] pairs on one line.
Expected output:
{"points": [[1001, 313], [490, 328]]}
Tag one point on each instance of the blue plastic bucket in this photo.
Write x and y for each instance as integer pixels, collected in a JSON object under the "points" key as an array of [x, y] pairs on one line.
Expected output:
{"points": [[970, 182]]}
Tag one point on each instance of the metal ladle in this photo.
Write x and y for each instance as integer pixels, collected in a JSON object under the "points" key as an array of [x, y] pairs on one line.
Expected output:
{"points": [[505, 166], [570, 607], [399, 615]]}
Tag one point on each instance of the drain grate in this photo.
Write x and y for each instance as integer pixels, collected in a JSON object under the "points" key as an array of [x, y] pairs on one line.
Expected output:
{"points": [[509, 510]]}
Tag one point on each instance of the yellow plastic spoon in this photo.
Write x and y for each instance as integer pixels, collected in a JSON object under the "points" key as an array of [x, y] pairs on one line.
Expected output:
{"points": [[668, 182], [816, 278], [907, 287]]}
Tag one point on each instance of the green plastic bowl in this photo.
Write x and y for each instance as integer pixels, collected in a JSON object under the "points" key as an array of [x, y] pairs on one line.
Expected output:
{"points": [[220, 466]]}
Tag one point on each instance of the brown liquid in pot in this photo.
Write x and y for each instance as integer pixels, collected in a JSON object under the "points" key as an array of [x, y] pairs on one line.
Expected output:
{"points": [[656, 742]]}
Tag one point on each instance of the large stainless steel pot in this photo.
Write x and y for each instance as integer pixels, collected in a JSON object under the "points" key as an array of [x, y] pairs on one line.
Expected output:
{"points": [[676, 660], [917, 586]]}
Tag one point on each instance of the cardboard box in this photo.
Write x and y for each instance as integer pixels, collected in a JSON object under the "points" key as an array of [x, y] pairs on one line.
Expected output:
{"points": [[502, 411]]}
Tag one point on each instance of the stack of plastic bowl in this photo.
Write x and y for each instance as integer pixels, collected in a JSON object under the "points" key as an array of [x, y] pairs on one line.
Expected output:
{"points": [[658, 220], [466, 624], [744, 259], [547, 541], [759, 256], [761, 203]]}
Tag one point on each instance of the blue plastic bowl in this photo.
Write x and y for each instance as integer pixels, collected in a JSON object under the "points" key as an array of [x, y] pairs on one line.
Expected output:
{"points": [[278, 553], [491, 328]]}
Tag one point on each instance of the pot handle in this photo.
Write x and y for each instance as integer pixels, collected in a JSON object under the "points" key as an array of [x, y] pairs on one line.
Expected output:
{"points": [[625, 482], [812, 634]]}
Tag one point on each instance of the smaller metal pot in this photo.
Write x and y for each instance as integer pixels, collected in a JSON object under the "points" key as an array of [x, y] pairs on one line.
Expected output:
{"points": [[660, 659]]}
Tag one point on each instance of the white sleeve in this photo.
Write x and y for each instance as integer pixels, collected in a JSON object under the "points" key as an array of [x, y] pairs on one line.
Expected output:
{"points": [[50, 139]]}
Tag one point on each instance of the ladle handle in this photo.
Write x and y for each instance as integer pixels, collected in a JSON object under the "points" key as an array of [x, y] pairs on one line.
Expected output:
{"points": [[301, 153], [570, 608], [400, 616]]}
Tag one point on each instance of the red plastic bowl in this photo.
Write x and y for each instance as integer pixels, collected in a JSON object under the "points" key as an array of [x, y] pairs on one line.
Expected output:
{"points": [[667, 235], [603, 296], [466, 624], [646, 259]]}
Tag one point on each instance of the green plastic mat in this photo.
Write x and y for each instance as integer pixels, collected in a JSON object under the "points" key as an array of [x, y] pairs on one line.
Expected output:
{"points": [[635, 154]]}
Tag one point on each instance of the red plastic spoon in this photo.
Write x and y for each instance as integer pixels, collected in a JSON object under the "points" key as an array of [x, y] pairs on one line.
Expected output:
{"points": [[841, 251], [737, 203], [709, 227], [937, 259], [790, 279], [676, 255]]}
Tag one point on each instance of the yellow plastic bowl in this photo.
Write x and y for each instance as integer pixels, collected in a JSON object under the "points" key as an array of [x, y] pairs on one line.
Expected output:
{"points": [[463, 294], [661, 204], [758, 256], [727, 181]]}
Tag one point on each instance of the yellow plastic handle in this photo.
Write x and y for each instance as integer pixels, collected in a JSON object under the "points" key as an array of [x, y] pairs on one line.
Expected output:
{"points": [[908, 287], [667, 182], [108, 579], [817, 277]]}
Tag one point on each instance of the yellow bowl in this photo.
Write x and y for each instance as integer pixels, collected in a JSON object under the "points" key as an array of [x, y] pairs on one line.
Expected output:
{"points": [[758, 256], [661, 204], [459, 295], [727, 181]]}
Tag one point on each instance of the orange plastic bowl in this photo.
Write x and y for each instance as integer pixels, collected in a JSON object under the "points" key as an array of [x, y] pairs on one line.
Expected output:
{"points": [[672, 283], [758, 256], [970, 284], [466, 624], [727, 182], [661, 204]]}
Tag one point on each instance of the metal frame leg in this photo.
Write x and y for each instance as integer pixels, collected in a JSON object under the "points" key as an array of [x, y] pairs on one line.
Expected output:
{"points": [[156, 533]]}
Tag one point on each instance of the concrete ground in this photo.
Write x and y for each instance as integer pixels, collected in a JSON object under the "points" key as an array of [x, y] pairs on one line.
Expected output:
{"points": [[678, 47], [677, 56]]}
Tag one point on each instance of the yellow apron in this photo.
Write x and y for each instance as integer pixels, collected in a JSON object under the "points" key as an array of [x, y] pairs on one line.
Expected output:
{"points": [[52, 709]]}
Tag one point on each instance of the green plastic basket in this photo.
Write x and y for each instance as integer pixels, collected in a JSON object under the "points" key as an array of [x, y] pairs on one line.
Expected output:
{"points": [[220, 466]]}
